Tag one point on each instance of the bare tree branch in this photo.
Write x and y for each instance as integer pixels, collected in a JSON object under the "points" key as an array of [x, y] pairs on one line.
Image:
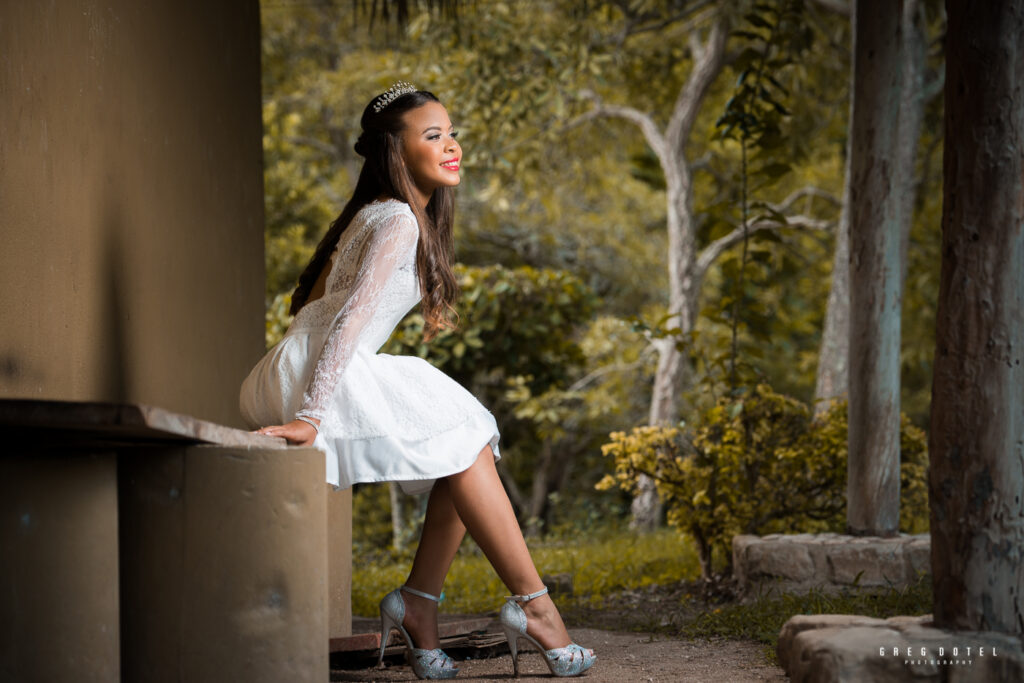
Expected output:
{"points": [[696, 47], [708, 62], [803, 192], [718, 247], [590, 377], [644, 22], [643, 121]]}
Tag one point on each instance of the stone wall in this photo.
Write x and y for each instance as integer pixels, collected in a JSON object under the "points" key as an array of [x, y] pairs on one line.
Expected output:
{"points": [[828, 561]]}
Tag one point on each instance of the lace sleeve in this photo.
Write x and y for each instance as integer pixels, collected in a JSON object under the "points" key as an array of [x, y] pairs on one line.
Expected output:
{"points": [[388, 248]]}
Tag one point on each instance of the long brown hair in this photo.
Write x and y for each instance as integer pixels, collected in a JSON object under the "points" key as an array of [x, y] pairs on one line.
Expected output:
{"points": [[383, 173]]}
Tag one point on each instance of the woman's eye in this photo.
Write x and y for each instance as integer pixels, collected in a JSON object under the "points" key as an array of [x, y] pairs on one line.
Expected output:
{"points": [[455, 133], [436, 136]]}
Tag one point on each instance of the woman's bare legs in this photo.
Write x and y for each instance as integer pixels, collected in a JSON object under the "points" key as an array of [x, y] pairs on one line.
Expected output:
{"points": [[475, 500], [442, 534]]}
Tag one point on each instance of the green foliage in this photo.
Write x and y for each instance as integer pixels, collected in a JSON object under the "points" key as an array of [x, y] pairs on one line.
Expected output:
{"points": [[756, 463], [775, 36], [277, 319], [762, 618], [600, 564], [513, 323], [371, 518]]}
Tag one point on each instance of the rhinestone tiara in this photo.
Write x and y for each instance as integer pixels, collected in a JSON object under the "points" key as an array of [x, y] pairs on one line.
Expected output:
{"points": [[391, 94]]}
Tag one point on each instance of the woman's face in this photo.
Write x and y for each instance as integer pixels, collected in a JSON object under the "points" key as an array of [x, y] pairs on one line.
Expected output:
{"points": [[429, 148]]}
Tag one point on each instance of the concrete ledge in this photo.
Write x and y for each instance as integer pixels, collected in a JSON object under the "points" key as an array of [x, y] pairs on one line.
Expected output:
{"points": [[799, 562], [41, 422], [59, 600], [138, 544], [835, 647], [223, 565]]}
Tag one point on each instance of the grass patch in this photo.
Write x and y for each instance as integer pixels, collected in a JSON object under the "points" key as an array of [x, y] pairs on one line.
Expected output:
{"points": [[762, 618], [601, 563]]}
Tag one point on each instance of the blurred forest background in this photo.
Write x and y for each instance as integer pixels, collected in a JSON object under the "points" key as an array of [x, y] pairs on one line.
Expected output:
{"points": [[592, 130]]}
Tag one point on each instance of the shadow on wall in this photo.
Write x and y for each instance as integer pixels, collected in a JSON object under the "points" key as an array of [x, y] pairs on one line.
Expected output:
{"points": [[112, 356]]}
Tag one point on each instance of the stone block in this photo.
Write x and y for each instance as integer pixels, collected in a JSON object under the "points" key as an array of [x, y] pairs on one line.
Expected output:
{"points": [[918, 554], [739, 554], [843, 654], [902, 623], [786, 561], [835, 648], [829, 561], [866, 563], [811, 622]]}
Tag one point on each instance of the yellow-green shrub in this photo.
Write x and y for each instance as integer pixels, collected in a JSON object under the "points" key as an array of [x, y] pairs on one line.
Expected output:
{"points": [[757, 464]]}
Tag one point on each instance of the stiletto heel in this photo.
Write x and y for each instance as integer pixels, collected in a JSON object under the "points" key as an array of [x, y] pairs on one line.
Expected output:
{"points": [[513, 645], [571, 660], [431, 664]]}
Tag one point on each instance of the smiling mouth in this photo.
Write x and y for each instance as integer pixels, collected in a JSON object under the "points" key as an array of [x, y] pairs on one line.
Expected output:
{"points": [[451, 165]]}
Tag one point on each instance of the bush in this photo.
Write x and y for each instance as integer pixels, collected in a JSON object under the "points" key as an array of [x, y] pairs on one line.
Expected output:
{"points": [[758, 463]]}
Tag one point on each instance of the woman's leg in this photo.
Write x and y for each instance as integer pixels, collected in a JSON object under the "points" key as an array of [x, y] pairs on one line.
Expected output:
{"points": [[442, 534], [475, 500], [484, 508]]}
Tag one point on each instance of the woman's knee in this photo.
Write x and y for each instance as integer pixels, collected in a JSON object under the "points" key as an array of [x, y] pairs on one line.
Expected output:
{"points": [[484, 461]]}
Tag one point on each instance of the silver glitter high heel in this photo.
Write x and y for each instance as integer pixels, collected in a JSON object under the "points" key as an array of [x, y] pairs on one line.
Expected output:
{"points": [[432, 664], [571, 660]]}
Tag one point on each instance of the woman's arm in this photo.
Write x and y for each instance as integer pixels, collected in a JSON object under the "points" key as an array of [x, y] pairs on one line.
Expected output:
{"points": [[392, 243]]}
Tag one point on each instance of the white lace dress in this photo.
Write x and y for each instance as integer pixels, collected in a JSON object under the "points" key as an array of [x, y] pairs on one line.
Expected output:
{"points": [[382, 417]]}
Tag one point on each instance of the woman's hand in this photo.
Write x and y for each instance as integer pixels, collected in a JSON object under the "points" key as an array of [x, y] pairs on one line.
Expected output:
{"points": [[297, 432]]}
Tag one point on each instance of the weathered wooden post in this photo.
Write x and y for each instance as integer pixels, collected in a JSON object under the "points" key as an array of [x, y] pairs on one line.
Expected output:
{"points": [[876, 217], [977, 416]]}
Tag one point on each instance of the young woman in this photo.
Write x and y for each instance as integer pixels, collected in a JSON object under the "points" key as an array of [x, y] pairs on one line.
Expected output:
{"points": [[397, 418]]}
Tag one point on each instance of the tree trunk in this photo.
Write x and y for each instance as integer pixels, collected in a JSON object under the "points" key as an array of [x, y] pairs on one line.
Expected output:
{"points": [[684, 271], [832, 379], [876, 220], [684, 295], [539, 490], [977, 427], [914, 49], [834, 356]]}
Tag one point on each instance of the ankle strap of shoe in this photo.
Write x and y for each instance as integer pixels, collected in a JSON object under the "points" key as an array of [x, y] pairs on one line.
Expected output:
{"points": [[527, 598], [421, 594]]}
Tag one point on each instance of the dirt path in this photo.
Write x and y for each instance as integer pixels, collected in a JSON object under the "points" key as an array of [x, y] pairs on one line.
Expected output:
{"points": [[621, 658]]}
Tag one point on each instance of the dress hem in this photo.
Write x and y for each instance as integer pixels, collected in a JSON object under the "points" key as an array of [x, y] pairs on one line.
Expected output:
{"points": [[434, 453]]}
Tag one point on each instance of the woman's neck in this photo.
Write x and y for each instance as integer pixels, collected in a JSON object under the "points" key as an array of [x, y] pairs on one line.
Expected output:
{"points": [[419, 197]]}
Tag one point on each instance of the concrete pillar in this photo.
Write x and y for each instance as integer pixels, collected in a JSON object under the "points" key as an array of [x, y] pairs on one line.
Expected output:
{"points": [[59, 570], [224, 565], [339, 561]]}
